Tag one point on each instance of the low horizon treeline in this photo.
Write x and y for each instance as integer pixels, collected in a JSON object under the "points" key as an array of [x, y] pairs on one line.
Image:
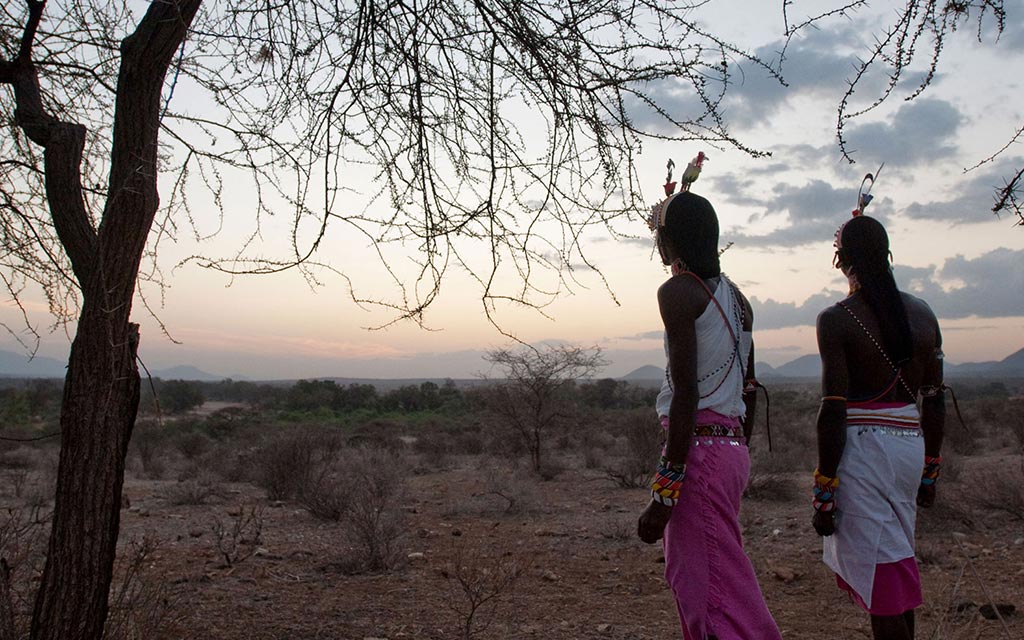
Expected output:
{"points": [[33, 400], [38, 400]]}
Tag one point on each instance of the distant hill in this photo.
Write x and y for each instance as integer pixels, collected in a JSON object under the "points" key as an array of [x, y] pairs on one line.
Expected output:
{"points": [[1011, 365], [808, 366], [185, 372], [646, 372], [18, 365]]}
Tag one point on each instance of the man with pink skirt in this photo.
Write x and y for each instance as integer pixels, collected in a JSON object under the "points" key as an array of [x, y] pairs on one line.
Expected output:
{"points": [[704, 467]]}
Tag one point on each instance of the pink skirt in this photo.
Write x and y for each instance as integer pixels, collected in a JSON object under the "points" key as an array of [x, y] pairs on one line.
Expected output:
{"points": [[897, 589], [713, 580]]}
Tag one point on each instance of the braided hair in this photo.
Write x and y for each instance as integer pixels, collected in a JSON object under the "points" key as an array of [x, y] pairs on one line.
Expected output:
{"points": [[691, 229], [863, 248]]}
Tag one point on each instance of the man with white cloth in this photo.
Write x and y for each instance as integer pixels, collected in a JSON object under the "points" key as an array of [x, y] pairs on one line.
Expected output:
{"points": [[878, 458]]}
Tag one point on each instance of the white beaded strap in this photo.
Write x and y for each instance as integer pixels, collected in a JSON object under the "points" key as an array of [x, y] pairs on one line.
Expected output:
{"points": [[897, 370]]}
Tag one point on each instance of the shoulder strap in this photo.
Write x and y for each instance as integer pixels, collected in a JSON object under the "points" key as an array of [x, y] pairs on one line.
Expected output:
{"points": [[897, 370]]}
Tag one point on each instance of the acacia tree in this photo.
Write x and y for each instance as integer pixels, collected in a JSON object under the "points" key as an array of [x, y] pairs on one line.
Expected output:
{"points": [[537, 395]]}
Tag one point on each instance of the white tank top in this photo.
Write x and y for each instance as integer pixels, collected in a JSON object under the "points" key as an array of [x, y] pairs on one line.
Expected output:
{"points": [[721, 362]]}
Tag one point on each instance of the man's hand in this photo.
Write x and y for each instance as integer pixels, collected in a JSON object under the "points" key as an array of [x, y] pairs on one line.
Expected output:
{"points": [[824, 522], [926, 495], [651, 525]]}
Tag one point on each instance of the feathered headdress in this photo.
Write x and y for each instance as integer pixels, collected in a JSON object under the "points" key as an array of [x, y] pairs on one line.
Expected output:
{"points": [[658, 211], [864, 198]]}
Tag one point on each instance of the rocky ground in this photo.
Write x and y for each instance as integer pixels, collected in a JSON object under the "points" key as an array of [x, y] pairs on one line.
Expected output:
{"points": [[558, 566]]}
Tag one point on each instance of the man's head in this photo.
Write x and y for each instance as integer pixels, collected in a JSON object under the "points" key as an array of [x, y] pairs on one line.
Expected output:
{"points": [[689, 232], [862, 246]]}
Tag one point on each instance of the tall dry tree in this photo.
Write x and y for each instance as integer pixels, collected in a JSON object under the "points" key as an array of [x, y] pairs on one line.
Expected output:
{"points": [[44, 149], [536, 395]]}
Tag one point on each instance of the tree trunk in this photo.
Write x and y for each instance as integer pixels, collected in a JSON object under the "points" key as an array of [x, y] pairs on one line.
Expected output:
{"points": [[6, 603], [101, 397], [101, 390]]}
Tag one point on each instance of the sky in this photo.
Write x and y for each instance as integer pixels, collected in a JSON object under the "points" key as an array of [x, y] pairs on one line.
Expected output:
{"points": [[780, 213]]}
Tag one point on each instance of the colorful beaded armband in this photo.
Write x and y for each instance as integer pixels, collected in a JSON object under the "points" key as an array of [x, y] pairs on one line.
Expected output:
{"points": [[668, 479], [824, 492], [931, 470]]}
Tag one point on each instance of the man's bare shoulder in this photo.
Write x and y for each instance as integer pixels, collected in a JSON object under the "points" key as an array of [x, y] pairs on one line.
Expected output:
{"points": [[917, 306], [683, 294], [832, 316]]}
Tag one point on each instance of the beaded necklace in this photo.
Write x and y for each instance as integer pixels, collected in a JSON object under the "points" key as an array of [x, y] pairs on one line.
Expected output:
{"points": [[739, 317]]}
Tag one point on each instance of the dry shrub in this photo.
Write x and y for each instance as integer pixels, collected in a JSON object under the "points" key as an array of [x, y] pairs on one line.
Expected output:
{"points": [[238, 538], [148, 442], [17, 458], [957, 438], [479, 582], [326, 487], [373, 520], [230, 463], [280, 463], [434, 449], [638, 439], [22, 542], [1015, 422], [513, 491], [191, 444], [140, 605], [194, 487], [771, 487], [469, 442], [1001, 491]]}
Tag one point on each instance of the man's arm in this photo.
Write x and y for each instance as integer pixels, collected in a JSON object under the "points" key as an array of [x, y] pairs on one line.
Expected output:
{"points": [[679, 304], [933, 414], [831, 423], [749, 396], [679, 314]]}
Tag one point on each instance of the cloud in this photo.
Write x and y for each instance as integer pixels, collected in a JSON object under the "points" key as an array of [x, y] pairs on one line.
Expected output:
{"points": [[816, 63], [993, 286], [771, 314], [676, 98], [922, 131], [813, 210], [973, 198], [989, 286], [646, 335]]}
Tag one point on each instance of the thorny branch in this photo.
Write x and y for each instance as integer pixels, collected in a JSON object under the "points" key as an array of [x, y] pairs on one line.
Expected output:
{"points": [[921, 30], [482, 138]]}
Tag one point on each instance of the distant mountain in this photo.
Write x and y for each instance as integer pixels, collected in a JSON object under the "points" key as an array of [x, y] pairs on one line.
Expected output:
{"points": [[1011, 365], [1014, 361], [185, 372], [18, 365], [764, 370], [646, 372], [808, 366]]}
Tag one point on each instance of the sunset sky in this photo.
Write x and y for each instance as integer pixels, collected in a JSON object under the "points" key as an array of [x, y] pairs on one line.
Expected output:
{"points": [[780, 212]]}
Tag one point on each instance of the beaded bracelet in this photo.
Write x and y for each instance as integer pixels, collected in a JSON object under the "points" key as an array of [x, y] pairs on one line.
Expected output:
{"points": [[931, 470], [824, 492], [668, 479]]}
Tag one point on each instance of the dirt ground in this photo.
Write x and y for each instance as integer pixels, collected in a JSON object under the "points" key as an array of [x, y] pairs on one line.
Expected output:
{"points": [[571, 564]]}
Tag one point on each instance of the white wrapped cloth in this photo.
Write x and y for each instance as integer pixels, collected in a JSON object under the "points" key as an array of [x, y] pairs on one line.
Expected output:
{"points": [[876, 501]]}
